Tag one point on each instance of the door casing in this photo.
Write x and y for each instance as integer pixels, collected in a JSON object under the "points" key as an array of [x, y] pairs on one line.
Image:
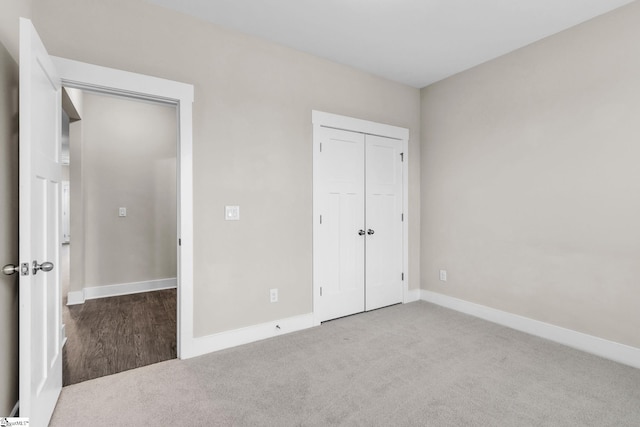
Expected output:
{"points": [[322, 119], [99, 79]]}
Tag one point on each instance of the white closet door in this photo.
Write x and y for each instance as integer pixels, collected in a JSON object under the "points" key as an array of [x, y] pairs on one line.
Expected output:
{"points": [[384, 222], [339, 210]]}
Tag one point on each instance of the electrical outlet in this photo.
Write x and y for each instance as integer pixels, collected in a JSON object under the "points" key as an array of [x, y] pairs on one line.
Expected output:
{"points": [[122, 211], [443, 275], [274, 295]]}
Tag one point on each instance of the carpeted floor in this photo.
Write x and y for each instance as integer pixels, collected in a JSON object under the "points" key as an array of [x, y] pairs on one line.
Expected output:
{"points": [[406, 365]]}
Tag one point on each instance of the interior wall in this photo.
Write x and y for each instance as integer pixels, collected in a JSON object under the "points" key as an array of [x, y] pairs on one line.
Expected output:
{"points": [[530, 180], [8, 230], [128, 160], [252, 143], [12, 10]]}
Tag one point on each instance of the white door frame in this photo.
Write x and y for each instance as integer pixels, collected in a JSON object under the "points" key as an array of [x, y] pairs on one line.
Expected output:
{"points": [[335, 121], [107, 80], [65, 204]]}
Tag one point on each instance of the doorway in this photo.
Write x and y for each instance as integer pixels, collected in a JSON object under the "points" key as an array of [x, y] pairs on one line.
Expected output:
{"points": [[121, 307], [360, 222], [97, 79], [41, 333]]}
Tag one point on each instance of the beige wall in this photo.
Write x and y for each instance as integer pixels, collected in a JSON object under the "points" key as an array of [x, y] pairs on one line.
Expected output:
{"points": [[9, 23], [252, 143], [128, 160], [530, 180], [8, 230]]}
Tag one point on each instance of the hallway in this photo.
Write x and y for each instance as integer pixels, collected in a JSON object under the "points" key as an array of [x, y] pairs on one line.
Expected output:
{"points": [[110, 335]]}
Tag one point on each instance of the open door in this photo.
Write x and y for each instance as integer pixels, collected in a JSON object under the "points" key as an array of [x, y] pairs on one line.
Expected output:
{"points": [[40, 171]]}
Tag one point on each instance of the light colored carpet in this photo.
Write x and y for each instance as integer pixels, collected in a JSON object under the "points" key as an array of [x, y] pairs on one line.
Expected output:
{"points": [[406, 365]]}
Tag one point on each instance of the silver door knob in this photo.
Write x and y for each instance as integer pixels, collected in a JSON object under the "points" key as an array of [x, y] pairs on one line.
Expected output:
{"points": [[45, 266], [370, 232], [361, 233], [10, 269]]}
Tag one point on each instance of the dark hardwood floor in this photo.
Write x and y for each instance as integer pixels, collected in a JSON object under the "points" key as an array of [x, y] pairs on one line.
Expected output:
{"points": [[110, 335]]}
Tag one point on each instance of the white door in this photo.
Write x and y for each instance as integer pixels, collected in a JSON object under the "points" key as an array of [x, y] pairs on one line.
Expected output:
{"points": [[358, 232], [40, 301], [384, 222], [339, 234]]}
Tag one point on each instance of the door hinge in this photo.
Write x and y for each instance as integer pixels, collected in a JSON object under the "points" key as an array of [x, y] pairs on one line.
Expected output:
{"points": [[321, 147], [320, 290], [402, 157], [402, 217], [402, 276], [320, 219], [179, 242]]}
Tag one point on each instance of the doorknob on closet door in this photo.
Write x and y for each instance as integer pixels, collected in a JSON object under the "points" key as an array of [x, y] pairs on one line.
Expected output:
{"points": [[361, 233], [370, 232]]}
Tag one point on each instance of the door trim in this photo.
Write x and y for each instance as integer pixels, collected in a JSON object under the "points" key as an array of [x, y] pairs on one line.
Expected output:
{"points": [[336, 121], [111, 81]]}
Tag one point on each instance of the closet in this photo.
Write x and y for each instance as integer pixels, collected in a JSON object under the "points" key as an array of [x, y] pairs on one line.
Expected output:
{"points": [[358, 219]]}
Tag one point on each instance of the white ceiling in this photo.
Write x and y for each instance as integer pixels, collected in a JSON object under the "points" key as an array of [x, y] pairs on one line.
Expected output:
{"points": [[416, 42]]}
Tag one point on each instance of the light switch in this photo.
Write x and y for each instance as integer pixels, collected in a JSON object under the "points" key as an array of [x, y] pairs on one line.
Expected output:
{"points": [[232, 213], [122, 212]]}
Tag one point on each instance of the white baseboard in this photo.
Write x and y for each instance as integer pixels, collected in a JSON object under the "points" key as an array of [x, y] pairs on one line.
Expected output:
{"points": [[412, 295], [94, 292], [228, 339], [14, 411], [588, 343], [75, 297]]}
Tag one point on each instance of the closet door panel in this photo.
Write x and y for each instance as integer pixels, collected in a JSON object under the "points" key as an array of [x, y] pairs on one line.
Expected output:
{"points": [[339, 248], [384, 222]]}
